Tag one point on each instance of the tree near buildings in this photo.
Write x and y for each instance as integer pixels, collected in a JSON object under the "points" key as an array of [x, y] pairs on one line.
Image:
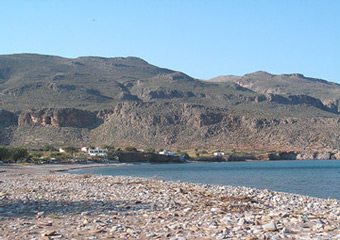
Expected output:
{"points": [[71, 150], [48, 148], [18, 153], [7, 154], [4, 153]]}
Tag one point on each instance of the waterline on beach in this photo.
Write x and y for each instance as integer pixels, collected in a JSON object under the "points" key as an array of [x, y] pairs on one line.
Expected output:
{"points": [[312, 178]]}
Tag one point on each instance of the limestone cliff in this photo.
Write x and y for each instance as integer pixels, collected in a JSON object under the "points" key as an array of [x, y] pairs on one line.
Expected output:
{"points": [[129, 102], [58, 118], [190, 126], [165, 125]]}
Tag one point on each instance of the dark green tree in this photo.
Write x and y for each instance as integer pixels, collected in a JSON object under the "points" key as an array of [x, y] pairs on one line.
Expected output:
{"points": [[4, 154], [131, 149], [18, 153], [108, 147], [48, 148], [71, 150], [150, 150], [186, 156]]}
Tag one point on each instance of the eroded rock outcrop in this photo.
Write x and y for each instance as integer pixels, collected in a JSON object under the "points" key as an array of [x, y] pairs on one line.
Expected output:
{"points": [[166, 125], [191, 126], [166, 94], [67, 117], [327, 105]]}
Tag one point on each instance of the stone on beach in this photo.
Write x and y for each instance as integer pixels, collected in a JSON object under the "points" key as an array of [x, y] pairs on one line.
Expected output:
{"points": [[44, 205], [269, 227]]}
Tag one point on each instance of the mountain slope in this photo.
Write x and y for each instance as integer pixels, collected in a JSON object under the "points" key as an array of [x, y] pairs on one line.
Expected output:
{"points": [[287, 84], [85, 82], [127, 101]]}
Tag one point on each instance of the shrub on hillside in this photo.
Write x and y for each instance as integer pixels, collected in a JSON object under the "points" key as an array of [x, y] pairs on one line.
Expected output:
{"points": [[71, 149], [48, 148], [150, 150], [108, 147], [131, 149]]}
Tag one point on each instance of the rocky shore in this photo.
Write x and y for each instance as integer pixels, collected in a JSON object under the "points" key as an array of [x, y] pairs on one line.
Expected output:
{"points": [[38, 204]]}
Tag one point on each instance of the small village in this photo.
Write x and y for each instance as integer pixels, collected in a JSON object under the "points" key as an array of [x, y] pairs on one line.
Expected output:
{"points": [[105, 154], [108, 154], [48, 154]]}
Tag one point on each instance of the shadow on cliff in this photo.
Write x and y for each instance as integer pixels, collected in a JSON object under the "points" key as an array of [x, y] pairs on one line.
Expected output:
{"points": [[96, 124]]}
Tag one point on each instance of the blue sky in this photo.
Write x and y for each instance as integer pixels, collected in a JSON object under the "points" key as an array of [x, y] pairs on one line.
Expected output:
{"points": [[201, 38]]}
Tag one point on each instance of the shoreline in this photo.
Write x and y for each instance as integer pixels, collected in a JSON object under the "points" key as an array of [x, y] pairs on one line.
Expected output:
{"points": [[63, 168], [53, 168], [310, 190], [47, 205]]}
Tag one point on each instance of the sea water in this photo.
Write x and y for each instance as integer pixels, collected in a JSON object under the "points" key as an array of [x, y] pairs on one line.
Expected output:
{"points": [[316, 178]]}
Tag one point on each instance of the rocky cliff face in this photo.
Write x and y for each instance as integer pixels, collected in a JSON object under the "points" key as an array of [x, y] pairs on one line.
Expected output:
{"points": [[128, 102], [326, 105], [189, 126], [57, 127], [166, 125], [289, 84], [58, 118]]}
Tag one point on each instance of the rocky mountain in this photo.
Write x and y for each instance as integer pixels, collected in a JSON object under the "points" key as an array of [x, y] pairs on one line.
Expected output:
{"points": [[287, 84], [129, 102]]}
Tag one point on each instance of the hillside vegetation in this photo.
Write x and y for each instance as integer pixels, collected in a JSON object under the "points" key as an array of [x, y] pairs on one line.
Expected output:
{"points": [[129, 102]]}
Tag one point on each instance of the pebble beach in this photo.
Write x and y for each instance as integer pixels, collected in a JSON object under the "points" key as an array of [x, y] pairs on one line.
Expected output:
{"points": [[39, 202]]}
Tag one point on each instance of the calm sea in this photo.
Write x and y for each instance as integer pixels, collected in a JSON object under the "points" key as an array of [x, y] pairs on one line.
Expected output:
{"points": [[311, 178]]}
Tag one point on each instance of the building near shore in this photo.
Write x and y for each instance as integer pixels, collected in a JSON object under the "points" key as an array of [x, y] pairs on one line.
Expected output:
{"points": [[84, 149], [220, 153], [97, 152], [168, 153]]}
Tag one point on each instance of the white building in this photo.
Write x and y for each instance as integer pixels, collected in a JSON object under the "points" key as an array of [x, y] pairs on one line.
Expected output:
{"points": [[97, 152], [220, 153], [83, 149], [165, 152]]}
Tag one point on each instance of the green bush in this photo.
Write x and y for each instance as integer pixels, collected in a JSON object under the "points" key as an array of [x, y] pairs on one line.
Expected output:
{"points": [[36, 161], [18, 153], [56, 155], [59, 156], [48, 148], [112, 155], [131, 149], [186, 156], [4, 154], [108, 147], [36, 155], [150, 150], [10, 153], [71, 149]]}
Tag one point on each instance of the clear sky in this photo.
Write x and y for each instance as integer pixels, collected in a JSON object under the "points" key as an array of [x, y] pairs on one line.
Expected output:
{"points": [[201, 38]]}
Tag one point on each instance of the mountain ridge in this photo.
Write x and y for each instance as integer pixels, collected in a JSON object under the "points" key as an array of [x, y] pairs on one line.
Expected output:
{"points": [[264, 82], [127, 101]]}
